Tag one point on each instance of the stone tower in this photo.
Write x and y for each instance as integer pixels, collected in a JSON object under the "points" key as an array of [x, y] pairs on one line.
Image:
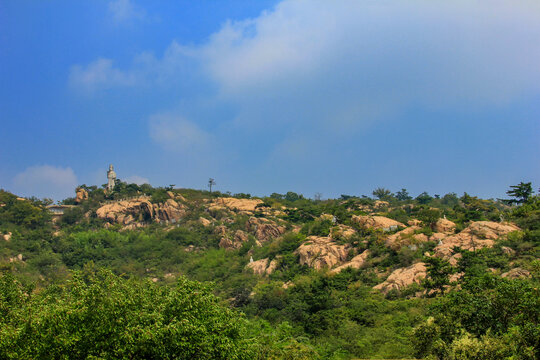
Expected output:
{"points": [[111, 177]]}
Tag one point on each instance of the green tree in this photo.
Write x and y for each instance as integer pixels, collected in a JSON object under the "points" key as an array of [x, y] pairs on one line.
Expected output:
{"points": [[424, 198], [521, 192], [403, 195], [100, 315], [438, 271], [382, 193]]}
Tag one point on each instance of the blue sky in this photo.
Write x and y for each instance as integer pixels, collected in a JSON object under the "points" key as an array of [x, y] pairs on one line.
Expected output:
{"points": [[312, 96]]}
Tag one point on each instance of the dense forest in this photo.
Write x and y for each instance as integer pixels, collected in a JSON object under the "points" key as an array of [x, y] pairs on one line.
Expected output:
{"points": [[144, 272]]}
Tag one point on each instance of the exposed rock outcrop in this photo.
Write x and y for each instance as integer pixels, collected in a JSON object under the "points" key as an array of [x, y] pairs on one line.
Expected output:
{"points": [[81, 195], [18, 258], [7, 236], [444, 226], [263, 266], [204, 222], [376, 222], [342, 232], [233, 204], [139, 210], [231, 242], [264, 229], [356, 262], [516, 273], [405, 237], [380, 204], [477, 235], [320, 252], [401, 278]]}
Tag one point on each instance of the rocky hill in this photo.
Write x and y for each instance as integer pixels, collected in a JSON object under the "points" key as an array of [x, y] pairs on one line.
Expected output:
{"points": [[319, 266]]}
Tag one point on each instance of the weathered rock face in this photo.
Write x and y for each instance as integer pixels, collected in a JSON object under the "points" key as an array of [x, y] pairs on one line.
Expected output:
{"points": [[516, 273], [18, 258], [414, 222], [401, 278], [170, 210], [376, 222], [228, 242], [380, 204], [7, 236], [138, 210], [258, 267], [445, 226], [477, 235], [320, 252], [342, 232], [356, 262], [264, 229], [405, 237], [263, 266], [233, 204], [81, 195], [508, 251], [205, 222]]}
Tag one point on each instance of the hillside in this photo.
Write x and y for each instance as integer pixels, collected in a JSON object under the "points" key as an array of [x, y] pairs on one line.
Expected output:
{"points": [[394, 277]]}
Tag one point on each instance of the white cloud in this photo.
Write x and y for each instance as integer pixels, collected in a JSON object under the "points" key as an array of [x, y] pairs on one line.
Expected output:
{"points": [[99, 74], [46, 181], [384, 53], [136, 179], [124, 10], [333, 67], [177, 133]]}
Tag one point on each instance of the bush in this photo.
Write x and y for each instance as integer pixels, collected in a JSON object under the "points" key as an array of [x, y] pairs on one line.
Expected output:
{"points": [[99, 315]]}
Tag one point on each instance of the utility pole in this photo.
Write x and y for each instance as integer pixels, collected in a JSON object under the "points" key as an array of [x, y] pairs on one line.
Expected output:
{"points": [[211, 182]]}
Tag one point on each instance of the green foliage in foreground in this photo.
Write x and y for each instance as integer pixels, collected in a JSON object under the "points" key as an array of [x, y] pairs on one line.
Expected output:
{"points": [[100, 315], [489, 318]]}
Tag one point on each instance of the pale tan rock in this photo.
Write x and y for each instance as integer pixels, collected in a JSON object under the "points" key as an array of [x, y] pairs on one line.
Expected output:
{"points": [[264, 229], [126, 212], [414, 222], [287, 285], [321, 252], [508, 251], [456, 277], [454, 259], [220, 230], [444, 226], [401, 278], [516, 273], [169, 276], [437, 237], [229, 243], [477, 235], [17, 258], [204, 222], [258, 267], [240, 205], [342, 232], [356, 262], [272, 266], [406, 237], [7, 236], [380, 204], [81, 195], [376, 222], [263, 266], [170, 210], [326, 217], [240, 236]]}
